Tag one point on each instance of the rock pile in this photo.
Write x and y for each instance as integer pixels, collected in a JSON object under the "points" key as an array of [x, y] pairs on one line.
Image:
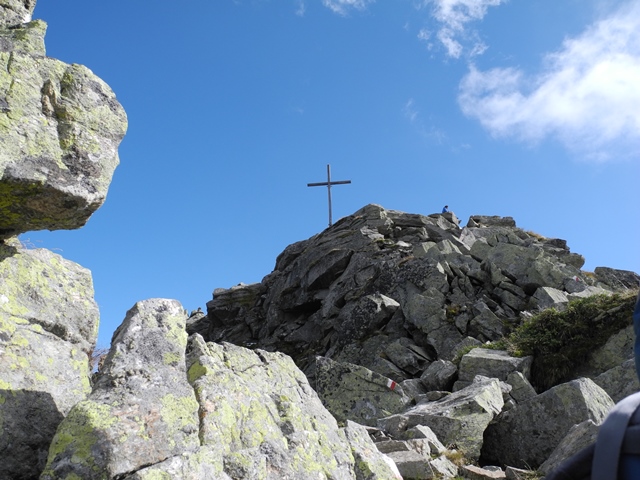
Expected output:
{"points": [[383, 310], [356, 358]]}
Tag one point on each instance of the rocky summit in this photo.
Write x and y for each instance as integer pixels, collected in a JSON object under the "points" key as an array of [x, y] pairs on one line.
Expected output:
{"points": [[389, 346]]}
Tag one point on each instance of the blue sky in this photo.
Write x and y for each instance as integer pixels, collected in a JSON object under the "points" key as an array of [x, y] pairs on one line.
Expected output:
{"points": [[510, 108]]}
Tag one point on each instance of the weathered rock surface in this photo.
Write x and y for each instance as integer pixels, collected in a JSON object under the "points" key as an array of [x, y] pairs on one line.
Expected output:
{"points": [[48, 328], [141, 411], [459, 418], [60, 127], [579, 436], [526, 435], [259, 412], [15, 12], [352, 392], [490, 363]]}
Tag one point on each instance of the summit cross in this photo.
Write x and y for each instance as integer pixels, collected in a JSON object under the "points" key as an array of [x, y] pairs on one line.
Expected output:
{"points": [[328, 184]]}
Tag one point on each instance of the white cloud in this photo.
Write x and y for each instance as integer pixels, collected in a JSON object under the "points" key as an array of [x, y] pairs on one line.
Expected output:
{"points": [[587, 96], [409, 110], [300, 11], [341, 7], [455, 15]]}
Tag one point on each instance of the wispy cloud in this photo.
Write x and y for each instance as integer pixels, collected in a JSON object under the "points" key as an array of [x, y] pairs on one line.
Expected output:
{"points": [[342, 7], [587, 96], [454, 17], [432, 133], [300, 11]]}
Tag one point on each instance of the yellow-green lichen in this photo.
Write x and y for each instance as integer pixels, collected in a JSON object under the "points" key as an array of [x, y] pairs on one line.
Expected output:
{"points": [[178, 412], [77, 435], [171, 358], [196, 371]]}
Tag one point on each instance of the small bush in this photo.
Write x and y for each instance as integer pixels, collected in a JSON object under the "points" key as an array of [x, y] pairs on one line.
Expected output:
{"points": [[561, 341]]}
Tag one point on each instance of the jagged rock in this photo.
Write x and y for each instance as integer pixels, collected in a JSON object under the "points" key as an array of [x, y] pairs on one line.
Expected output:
{"points": [[473, 472], [548, 297], [490, 221], [141, 411], [459, 418], [620, 381], [15, 12], [380, 280], [265, 421], [617, 279], [617, 350], [25, 39], [490, 363], [48, 329], [485, 325], [529, 268], [513, 439], [408, 356], [413, 388], [352, 392], [521, 388], [578, 437], [414, 466], [423, 440], [368, 463], [439, 375], [60, 127]]}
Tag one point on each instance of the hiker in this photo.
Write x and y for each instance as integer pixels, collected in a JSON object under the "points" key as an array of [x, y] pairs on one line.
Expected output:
{"points": [[445, 209]]}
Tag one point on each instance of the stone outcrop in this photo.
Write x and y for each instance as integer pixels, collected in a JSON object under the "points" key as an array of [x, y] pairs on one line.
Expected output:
{"points": [[60, 128], [459, 418], [218, 411], [353, 392], [394, 292], [141, 411], [407, 297], [48, 329], [526, 435], [15, 12], [382, 314]]}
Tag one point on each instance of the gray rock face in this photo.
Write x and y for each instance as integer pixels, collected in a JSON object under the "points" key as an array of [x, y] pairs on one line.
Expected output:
{"points": [[264, 420], [516, 440], [15, 12], [459, 418], [578, 437], [380, 277], [48, 328], [352, 392], [60, 127], [491, 363], [142, 409]]}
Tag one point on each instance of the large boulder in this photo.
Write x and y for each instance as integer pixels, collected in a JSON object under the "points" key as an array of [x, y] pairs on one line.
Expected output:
{"points": [[48, 329], [60, 127], [490, 363], [460, 418], [259, 412], [352, 392], [579, 436], [142, 410], [526, 435]]}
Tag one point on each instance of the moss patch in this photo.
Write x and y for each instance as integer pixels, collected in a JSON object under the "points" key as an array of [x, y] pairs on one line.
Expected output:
{"points": [[561, 341]]}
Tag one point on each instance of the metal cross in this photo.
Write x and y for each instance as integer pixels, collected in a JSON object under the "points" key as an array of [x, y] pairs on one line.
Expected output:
{"points": [[328, 184]]}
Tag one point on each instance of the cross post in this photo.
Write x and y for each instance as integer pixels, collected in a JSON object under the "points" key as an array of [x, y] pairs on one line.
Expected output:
{"points": [[328, 184]]}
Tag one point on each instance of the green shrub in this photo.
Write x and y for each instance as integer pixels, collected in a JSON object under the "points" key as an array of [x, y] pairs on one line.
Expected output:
{"points": [[561, 341]]}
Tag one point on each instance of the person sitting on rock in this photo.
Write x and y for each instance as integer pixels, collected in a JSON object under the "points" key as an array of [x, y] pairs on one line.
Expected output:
{"points": [[445, 209]]}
